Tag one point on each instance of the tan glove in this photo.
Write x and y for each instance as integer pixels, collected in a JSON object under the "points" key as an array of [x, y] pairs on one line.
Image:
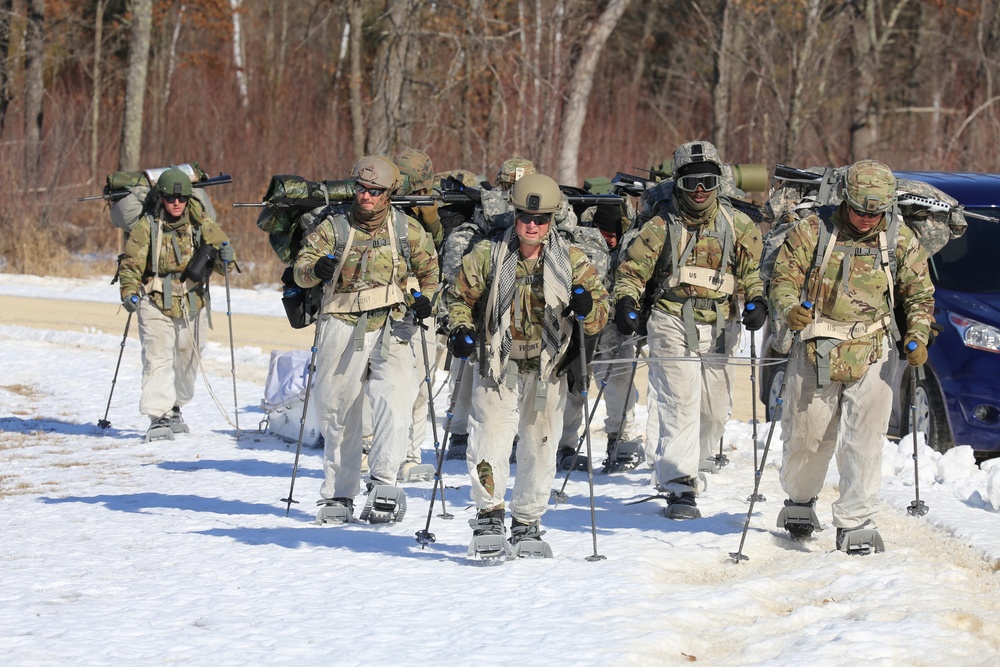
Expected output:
{"points": [[799, 317], [916, 352]]}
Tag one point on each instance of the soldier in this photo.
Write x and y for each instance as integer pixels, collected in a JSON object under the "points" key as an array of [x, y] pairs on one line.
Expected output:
{"points": [[839, 386], [694, 253], [529, 279], [491, 215], [418, 169], [364, 345], [170, 254]]}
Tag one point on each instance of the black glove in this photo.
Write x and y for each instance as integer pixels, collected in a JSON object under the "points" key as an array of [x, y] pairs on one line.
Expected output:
{"points": [[570, 363], [325, 268], [462, 342], [935, 330], [755, 313], [421, 306], [581, 302], [626, 317], [130, 303]]}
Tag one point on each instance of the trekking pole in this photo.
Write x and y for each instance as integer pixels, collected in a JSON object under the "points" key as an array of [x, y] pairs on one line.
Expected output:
{"points": [[560, 495], [758, 497], [586, 433], [104, 423], [613, 454], [232, 352], [311, 370], [738, 556], [917, 507], [425, 536], [430, 403]]}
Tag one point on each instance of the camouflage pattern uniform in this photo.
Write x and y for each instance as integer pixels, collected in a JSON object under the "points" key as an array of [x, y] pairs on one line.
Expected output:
{"points": [[367, 350], [171, 331], [847, 415], [418, 173], [689, 423], [524, 404]]}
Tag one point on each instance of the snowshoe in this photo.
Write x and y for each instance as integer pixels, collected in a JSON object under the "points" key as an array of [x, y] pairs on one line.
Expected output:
{"points": [[160, 430], [415, 472], [457, 447], [385, 503], [488, 541], [628, 455], [799, 519], [568, 459], [334, 510], [859, 541], [681, 507], [177, 424], [526, 540]]}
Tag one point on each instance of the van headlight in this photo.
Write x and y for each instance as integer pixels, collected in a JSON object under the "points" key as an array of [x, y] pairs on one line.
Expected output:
{"points": [[976, 334]]}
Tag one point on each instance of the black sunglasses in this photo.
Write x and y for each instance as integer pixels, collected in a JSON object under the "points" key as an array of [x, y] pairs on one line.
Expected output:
{"points": [[866, 214], [537, 219], [175, 198], [371, 192]]}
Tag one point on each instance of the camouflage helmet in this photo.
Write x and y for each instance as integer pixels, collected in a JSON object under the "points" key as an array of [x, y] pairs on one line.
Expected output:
{"points": [[464, 175], [173, 181], [513, 169], [375, 171], [696, 157], [536, 193], [417, 169], [869, 186]]}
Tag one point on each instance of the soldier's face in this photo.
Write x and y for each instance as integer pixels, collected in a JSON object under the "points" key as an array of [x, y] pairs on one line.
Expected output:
{"points": [[531, 228], [175, 204], [863, 222], [369, 198]]}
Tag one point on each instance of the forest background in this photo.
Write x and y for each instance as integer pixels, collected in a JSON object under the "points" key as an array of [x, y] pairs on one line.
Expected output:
{"points": [[255, 88]]}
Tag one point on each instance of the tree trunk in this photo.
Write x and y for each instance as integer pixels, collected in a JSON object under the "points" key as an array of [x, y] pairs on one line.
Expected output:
{"points": [[802, 60], [241, 79], [356, 17], [34, 83], [95, 97], [579, 91], [6, 6], [721, 76], [387, 123], [135, 85], [172, 55]]}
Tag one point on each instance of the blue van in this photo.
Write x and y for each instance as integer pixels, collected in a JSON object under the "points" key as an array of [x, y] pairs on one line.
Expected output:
{"points": [[958, 399]]}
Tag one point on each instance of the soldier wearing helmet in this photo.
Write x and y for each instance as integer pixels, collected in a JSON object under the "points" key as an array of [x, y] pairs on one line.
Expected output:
{"points": [[512, 170], [418, 179], [692, 256], [170, 254], [838, 388], [373, 278], [529, 284]]}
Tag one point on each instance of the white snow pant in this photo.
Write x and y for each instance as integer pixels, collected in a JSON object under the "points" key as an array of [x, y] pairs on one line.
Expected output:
{"points": [[171, 350], [463, 400], [418, 426], [691, 400], [846, 418], [344, 378], [497, 416], [617, 391]]}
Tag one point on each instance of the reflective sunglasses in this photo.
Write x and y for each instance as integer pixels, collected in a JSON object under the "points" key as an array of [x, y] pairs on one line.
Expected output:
{"points": [[371, 192], [536, 219], [866, 214], [175, 198], [690, 183]]}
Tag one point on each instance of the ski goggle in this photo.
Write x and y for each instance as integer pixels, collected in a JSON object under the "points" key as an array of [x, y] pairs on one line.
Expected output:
{"points": [[690, 183], [172, 199]]}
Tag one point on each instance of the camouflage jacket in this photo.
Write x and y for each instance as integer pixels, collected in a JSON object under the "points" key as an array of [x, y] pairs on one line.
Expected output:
{"points": [[368, 264], [176, 248], [864, 298], [473, 284], [637, 268]]}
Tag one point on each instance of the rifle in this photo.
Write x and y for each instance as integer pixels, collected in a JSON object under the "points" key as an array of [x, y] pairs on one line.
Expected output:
{"points": [[636, 185], [786, 173], [114, 195]]}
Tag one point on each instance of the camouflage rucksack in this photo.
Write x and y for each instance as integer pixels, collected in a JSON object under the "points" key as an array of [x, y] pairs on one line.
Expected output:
{"points": [[126, 211]]}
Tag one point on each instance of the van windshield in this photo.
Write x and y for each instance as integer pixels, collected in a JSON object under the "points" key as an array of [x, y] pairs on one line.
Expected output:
{"points": [[969, 263]]}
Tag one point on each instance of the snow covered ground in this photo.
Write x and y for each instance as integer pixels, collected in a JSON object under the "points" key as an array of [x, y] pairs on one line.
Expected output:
{"points": [[116, 551]]}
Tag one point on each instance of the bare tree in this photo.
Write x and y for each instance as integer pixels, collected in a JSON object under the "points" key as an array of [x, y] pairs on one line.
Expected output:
{"points": [[95, 75], [6, 8], [356, 20], [235, 7], [722, 74], [387, 125], [579, 88], [135, 85], [34, 83], [802, 61]]}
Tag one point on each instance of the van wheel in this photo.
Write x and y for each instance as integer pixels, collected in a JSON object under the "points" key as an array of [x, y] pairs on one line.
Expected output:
{"points": [[931, 419]]}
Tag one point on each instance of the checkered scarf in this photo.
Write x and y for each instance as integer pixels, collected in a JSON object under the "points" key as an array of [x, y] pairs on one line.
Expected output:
{"points": [[557, 278]]}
